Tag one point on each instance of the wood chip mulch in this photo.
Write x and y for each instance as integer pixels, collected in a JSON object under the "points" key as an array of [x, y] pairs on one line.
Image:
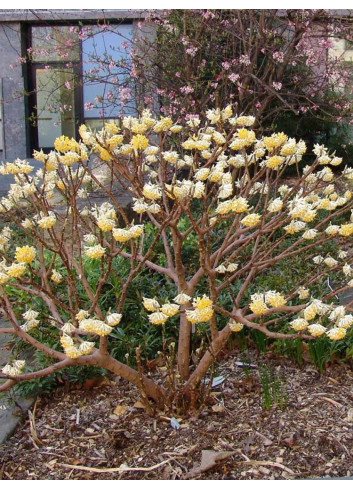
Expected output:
{"points": [[105, 433]]}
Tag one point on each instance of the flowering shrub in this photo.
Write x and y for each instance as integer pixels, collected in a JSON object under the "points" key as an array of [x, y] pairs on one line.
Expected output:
{"points": [[224, 192]]}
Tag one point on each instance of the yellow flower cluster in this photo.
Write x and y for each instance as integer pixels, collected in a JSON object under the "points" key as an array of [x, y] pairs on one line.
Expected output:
{"points": [[65, 144], [139, 142], [336, 333], [75, 351], [152, 191], [113, 319], [16, 270], [95, 326], [123, 235], [203, 310], [160, 314], [259, 302], [14, 369], [251, 220], [70, 158], [275, 141], [25, 254], [56, 277], [316, 329], [94, 252], [346, 229], [16, 168], [47, 222], [235, 326], [275, 161], [164, 124], [258, 307], [105, 224], [299, 324], [237, 205]]}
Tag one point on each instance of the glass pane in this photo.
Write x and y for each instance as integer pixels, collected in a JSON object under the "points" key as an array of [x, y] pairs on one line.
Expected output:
{"points": [[56, 43], [105, 67], [55, 105], [97, 124]]}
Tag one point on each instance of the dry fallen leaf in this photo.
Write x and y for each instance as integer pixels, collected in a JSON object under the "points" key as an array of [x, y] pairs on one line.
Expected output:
{"points": [[209, 458], [139, 405], [218, 409], [349, 415], [120, 410]]}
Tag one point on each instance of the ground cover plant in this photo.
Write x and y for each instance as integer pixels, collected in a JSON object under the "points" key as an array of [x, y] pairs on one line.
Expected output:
{"points": [[210, 221]]}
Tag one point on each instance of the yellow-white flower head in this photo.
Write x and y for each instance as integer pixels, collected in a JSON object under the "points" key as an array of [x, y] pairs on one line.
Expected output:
{"points": [[136, 230], [68, 328], [275, 206], [113, 319], [336, 333], [258, 307], [56, 277], [182, 299], [274, 299], [82, 314], [235, 326], [94, 252], [303, 293], [151, 305], [251, 220], [316, 329], [330, 262], [86, 347], [157, 318], [95, 326], [347, 270], [345, 321], [14, 369], [299, 324], [170, 310], [121, 235], [25, 254], [16, 270], [105, 224]]}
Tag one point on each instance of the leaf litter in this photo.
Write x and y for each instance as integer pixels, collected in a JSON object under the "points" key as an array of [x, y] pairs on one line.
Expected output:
{"points": [[107, 434]]}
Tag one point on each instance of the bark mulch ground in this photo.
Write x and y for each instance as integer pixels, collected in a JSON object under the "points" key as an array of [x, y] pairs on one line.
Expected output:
{"points": [[105, 433]]}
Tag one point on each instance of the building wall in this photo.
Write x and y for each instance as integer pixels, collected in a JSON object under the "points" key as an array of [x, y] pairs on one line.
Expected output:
{"points": [[14, 126], [14, 133]]}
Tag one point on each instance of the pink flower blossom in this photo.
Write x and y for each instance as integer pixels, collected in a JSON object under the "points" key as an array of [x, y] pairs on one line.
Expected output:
{"points": [[89, 106], [233, 77], [192, 50], [278, 56], [186, 90], [244, 60]]}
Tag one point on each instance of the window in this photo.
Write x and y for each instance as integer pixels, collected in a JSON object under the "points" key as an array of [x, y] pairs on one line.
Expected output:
{"points": [[77, 75]]}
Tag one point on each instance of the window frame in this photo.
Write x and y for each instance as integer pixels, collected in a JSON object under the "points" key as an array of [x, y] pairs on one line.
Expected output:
{"points": [[30, 77]]}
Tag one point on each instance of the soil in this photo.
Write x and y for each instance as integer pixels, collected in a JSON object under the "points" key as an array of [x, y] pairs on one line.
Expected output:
{"points": [[102, 431]]}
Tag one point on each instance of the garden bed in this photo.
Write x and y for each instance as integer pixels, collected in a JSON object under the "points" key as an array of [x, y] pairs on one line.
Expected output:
{"points": [[102, 431]]}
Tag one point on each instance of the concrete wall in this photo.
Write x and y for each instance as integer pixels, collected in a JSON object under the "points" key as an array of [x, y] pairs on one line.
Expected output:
{"points": [[12, 93]]}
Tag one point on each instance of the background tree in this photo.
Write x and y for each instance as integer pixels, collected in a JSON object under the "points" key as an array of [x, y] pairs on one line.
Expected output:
{"points": [[289, 68]]}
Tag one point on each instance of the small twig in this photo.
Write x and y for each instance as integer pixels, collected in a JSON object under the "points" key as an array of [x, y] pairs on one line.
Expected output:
{"points": [[118, 469], [268, 462], [32, 426], [331, 401], [77, 416], [86, 437]]}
